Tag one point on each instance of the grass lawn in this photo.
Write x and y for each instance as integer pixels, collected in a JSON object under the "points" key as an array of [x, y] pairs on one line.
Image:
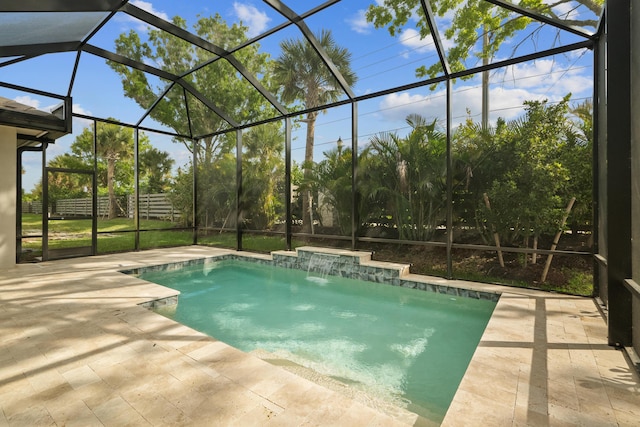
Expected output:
{"points": [[116, 236], [250, 242], [32, 224]]}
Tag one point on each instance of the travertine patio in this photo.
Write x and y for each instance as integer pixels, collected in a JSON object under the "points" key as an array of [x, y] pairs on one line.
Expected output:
{"points": [[77, 349]]}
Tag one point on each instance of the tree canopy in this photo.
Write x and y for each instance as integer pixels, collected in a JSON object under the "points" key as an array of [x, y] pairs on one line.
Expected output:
{"points": [[469, 20], [306, 79], [216, 80]]}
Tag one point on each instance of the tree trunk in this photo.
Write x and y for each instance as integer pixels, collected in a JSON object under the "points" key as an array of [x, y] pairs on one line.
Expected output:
{"points": [[111, 172], [556, 239], [208, 147], [485, 79], [496, 236], [307, 199]]}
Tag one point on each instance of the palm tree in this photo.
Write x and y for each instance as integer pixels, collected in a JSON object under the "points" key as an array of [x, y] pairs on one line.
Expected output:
{"points": [[333, 181], [155, 170], [114, 143], [263, 172], [406, 177], [65, 185], [305, 78]]}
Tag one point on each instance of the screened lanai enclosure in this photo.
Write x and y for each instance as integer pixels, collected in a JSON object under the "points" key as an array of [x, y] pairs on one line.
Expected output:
{"points": [[470, 139]]}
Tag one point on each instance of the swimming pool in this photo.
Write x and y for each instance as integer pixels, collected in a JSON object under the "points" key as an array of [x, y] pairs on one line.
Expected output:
{"points": [[404, 346]]}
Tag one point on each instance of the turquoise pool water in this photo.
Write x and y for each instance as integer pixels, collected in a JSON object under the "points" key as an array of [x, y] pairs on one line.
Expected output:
{"points": [[404, 346]]}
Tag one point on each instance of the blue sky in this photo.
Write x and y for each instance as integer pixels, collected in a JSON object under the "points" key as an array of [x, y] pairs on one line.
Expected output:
{"points": [[379, 60]]}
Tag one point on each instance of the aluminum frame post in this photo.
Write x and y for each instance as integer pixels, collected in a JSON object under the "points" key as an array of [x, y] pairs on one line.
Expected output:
{"points": [[618, 186]]}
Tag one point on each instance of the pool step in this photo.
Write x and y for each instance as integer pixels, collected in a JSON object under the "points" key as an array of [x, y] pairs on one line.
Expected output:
{"points": [[394, 408]]}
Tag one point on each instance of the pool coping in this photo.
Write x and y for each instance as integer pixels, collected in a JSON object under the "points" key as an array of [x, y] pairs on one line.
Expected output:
{"points": [[543, 359]]}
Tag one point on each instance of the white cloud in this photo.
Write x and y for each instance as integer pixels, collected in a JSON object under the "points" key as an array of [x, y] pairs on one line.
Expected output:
{"points": [[140, 26], [411, 38], [505, 103], [77, 108], [35, 103], [148, 7], [564, 10], [253, 18], [546, 76], [397, 106], [79, 123], [531, 74], [539, 80], [27, 100], [359, 23]]}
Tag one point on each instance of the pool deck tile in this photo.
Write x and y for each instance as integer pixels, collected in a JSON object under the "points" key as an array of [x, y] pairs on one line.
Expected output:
{"points": [[76, 349]]}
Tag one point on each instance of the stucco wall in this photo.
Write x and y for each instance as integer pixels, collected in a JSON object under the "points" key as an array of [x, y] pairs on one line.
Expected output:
{"points": [[8, 155]]}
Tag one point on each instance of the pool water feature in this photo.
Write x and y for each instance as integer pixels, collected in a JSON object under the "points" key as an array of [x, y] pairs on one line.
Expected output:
{"points": [[320, 266], [403, 346]]}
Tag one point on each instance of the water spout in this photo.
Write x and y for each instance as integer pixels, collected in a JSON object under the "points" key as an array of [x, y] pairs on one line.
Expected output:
{"points": [[320, 263]]}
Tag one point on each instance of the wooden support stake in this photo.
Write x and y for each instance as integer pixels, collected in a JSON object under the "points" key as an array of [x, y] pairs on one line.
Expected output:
{"points": [[556, 239], [496, 237]]}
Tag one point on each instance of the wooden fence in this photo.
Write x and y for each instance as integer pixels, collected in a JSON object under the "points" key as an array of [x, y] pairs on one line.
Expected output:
{"points": [[152, 206], [34, 207], [81, 207]]}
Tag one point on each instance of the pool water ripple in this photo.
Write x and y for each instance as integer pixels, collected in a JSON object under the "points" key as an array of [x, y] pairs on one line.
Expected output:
{"points": [[404, 346]]}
